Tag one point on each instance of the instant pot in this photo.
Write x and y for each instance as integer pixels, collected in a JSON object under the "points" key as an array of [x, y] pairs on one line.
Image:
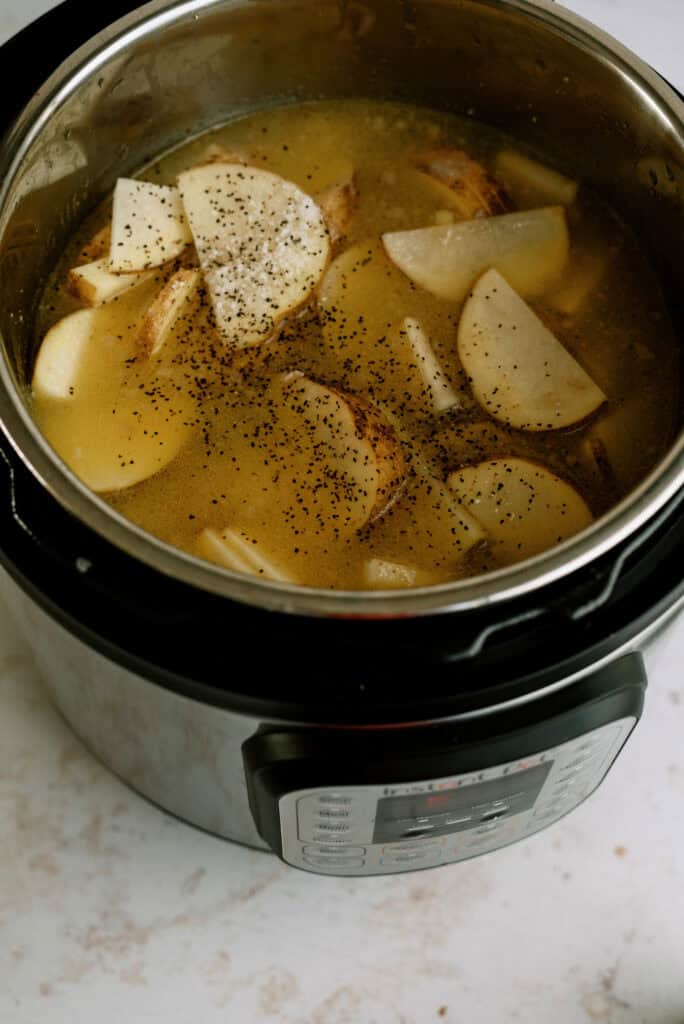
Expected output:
{"points": [[351, 733]]}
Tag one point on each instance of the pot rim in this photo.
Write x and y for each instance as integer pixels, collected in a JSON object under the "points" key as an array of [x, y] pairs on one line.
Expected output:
{"points": [[491, 589]]}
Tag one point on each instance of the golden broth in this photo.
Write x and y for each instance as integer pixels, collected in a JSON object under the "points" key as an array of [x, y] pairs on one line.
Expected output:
{"points": [[238, 465]]}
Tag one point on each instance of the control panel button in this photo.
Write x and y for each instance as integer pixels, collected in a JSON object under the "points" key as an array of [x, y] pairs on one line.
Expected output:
{"points": [[486, 829], [462, 819], [494, 814], [359, 837], [570, 771], [418, 830], [411, 856], [337, 827], [329, 838], [576, 762], [409, 847], [589, 746], [334, 862], [334, 851], [429, 855], [566, 780], [582, 762], [333, 816]]}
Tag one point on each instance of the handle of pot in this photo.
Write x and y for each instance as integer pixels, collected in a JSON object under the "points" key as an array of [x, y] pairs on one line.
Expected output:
{"points": [[660, 533]]}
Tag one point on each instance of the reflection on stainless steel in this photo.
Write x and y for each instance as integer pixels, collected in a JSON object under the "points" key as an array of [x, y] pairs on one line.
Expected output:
{"points": [[167, 72], [182, 754]]}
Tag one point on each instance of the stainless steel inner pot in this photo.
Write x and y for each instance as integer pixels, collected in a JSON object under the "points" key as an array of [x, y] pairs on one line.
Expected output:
{"points": [[173, 69]]}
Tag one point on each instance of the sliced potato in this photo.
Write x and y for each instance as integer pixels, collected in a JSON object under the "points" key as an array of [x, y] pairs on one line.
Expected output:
{"points": [[428, 526], [476, 192], [262, 243], [530, 249], [362, 301], [148, 226], [520, 373], [523, 506], [94, 283], [336, 169], [362, 297], [165, 309], [533, 184], [384, 575], [61, 355], [603, 451], [234, 550], [400, 197], [442, 394], [594, 457], [354, 445], [119, 422], [428, 189], [580, 281], [338, 204], [98, 246]]}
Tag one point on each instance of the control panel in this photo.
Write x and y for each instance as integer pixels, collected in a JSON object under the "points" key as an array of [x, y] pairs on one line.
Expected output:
{"points": [[383, 829]]}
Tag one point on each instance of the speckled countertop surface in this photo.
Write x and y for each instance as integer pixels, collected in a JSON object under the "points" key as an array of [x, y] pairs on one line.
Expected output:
{"points": [[111, 911]]}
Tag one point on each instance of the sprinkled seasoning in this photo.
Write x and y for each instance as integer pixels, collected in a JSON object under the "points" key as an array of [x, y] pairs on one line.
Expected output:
{"points": [[258, 380]]}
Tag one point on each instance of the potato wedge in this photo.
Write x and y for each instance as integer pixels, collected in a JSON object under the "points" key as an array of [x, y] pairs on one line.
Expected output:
{"points": [[523, 506], [98, 246], [164, 310], [94, 283], [582, 279], [476, 192], [593, 457], [262, 244], [428, 526], [602, 449], [61, 355], [530, 249], [354, 444], [363, 300], [383, 575], [148, 226], [437, 383], [403, 198], [119, 423], [234, 550], [338, 204], [520, 373], [532, 184]]}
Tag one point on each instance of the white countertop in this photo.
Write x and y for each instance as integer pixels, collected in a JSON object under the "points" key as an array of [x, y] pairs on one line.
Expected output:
{"points": [[112, 911]]}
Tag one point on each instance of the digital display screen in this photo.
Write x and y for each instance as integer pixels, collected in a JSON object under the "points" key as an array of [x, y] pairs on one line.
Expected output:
{"points": [[452, 810]]}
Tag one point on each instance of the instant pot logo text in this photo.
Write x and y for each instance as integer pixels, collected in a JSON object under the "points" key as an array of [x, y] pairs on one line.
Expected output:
{"points": [[432, 787]]}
